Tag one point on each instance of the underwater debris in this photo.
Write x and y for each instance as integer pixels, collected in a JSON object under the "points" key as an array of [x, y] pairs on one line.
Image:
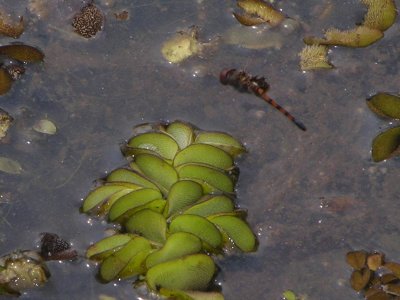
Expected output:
{"points": [[258, 12], [45, 126], [88, 21], [10, 166], [8, 28], [55, 248], [175, 205], [21, 270], [373, 276], [5, 123], [314, 57], [182, 46]]}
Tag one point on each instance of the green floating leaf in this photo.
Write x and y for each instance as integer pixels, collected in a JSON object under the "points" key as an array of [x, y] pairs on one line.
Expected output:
{"points": [[132, 200], [106, 205], [205, 154], [381, 14], [157, 170], [182, 133], [107, 246], [190, 295], [361, 36], [386, 144], [289, 295], [21, 52], [178, 244], [148, 223], [211, 205], [200, 227], [212, 176], [102, 193], [221, 140], [117, 262], [10, 166], [159, 142], [157, 205], [237, 230], [193, 272], [265, 11], [386, 105], [182, 194], [130, 176]]}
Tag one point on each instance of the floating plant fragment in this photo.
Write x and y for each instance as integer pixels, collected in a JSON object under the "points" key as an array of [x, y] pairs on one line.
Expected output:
{"points": [[236, 230], [107, 246], [182, 133], [221, 140], [385, 104], [88, 21], [10, 166], [182, 194], [386, 144], [114, 264], [381, 14], [193, 272], [361, 36], [164, 197], [190, 295], [204, 154], [5, 123], [182, 46], [178, 244], [158, 142], [261, 10], [22, 52], [5, 81], [45, 126], [22, 270], [198, 226], [148, 223], [376, 279], [314, 57], [55, 248]]}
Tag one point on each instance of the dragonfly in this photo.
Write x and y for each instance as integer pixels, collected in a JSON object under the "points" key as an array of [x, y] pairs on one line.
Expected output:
{"points": [[257, 85]]}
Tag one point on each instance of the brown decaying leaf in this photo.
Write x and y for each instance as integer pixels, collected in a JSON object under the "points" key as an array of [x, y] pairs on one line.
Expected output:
{"points": [[5, 122], [22, 52], [394, 267], [7, 28], [374, 261], [248, 20], [5, 81], [360, 279], [55, 248], [356, 259]]}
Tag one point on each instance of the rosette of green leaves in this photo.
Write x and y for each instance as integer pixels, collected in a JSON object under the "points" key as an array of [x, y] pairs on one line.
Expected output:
{"points": [[386, 144], [175, 204]]}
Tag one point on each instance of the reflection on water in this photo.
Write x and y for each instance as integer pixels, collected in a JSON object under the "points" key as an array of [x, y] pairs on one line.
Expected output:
{"points": [[312, 196]]}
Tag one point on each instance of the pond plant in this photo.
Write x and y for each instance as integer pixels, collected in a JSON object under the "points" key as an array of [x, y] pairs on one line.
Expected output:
{"points": [[174, 204], [386, 144]]}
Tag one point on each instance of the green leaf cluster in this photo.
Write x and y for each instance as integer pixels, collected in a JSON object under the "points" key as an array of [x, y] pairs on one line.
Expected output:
{"points": [[386, 144], [175, 205]]}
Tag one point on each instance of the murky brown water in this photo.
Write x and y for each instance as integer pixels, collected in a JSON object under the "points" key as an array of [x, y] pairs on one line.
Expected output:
{"points": [[312, 196]]}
